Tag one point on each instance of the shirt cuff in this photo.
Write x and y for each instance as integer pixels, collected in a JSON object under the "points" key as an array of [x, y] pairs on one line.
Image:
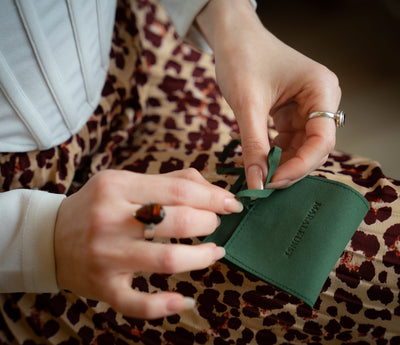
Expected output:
{"points": [[38, 258]]}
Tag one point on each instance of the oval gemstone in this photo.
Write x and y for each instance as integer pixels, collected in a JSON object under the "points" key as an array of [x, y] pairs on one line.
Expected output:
{"points": [[150, 214]]}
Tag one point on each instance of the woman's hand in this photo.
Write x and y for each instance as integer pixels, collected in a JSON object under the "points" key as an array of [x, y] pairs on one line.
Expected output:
{"points": [[99, 245], [260, 76]]}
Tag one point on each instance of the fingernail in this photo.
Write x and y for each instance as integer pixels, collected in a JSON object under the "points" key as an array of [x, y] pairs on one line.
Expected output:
{"points": [[219, 253], [255, 177], [278, 184], [234, 135], [233, 205], [190, 303], [177, 304]]}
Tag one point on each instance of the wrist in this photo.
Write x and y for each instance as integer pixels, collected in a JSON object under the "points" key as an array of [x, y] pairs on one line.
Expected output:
{"points": [[220, 21]]}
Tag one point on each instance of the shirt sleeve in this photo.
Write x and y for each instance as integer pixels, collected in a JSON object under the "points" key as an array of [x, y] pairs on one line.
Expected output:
{"points": [[183, 14], [27, 262]]}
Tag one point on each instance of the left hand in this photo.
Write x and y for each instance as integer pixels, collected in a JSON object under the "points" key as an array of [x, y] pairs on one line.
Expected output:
{"points": [[259, 76], [99, 245]]}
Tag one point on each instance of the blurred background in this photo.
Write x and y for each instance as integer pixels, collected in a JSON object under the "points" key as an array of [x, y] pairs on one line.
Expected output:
{"points": [[359, 40]]}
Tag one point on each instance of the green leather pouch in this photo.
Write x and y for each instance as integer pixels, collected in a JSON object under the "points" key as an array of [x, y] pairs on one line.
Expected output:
{"points": [[291, 238]]}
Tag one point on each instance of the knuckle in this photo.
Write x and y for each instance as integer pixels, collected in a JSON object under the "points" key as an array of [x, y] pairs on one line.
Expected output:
{"points": [[328, 80], [183, 223], [101, 177], [178, 190], [147, 308], [169, 262], [106, 183], [94, 253], [325, 70], [192, 174], [325, 75], [253, 145], [331, 77], [326, 143], [245, 100]]}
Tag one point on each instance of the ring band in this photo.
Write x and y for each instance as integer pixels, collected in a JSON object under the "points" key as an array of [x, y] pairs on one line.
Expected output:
{"points": [[149, 232], [338, 117]]}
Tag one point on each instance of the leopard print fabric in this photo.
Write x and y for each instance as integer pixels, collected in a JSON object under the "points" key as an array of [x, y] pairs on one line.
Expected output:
{"points": [[161, 110]]}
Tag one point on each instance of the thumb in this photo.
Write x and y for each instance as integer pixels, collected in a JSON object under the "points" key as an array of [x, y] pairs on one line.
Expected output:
{"points": [[255, 147]]}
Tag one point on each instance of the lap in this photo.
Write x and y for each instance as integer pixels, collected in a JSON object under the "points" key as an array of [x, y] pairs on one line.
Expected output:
{"points": [[161, 111]]}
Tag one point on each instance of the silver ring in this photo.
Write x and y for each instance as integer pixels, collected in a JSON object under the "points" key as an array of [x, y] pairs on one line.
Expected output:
{"points": [[149, 232], [338, 117]]}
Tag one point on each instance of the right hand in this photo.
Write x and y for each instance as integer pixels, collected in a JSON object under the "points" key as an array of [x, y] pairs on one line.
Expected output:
{"points": [[99, 245], [261, 77]]}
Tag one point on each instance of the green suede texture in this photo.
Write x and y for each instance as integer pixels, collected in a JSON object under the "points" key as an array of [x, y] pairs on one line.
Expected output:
{"points": [[292, 238]]}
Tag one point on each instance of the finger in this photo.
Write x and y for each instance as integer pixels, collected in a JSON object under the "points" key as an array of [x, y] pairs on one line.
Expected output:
{"points": [[185, 222], [320, 140], [255, 146], [165, 258], [167, 190], [321, 92], [193, 175], [133, 303], [178, 222]]}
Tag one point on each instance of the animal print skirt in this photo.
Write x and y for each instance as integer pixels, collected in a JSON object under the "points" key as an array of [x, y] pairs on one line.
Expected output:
{"points": [[161, 110]]}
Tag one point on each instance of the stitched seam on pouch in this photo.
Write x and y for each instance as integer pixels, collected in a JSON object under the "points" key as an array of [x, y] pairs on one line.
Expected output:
{"points": [[341, 185], [270, 280]]}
